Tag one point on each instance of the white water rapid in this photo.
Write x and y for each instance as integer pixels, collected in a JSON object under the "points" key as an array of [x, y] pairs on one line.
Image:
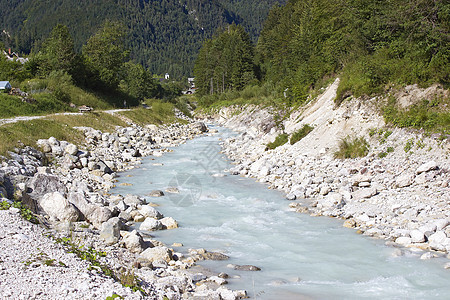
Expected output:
{"points": [[301, 257]]}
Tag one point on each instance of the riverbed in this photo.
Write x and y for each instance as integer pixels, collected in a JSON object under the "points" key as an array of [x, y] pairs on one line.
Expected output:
{"points": [[301, 257]]}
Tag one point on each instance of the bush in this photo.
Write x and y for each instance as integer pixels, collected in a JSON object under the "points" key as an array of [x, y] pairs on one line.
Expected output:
{"points": [[279, 141], [301, 133], [352, 147]]}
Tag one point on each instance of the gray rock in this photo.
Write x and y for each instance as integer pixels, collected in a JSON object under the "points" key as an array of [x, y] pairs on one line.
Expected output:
{"points": [[156, 193], [404, 180], [42, 184], [110, 231], [134, 241], [431, 165], [71, 149], [200, 126], [58, 207], [133, 200], [150, 212], [157, 254], [244, 267], [417, 236], [151, 224], [169, 223]]}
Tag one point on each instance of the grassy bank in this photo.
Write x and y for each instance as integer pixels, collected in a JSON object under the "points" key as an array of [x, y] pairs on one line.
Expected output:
{"points": [[62, 126]]}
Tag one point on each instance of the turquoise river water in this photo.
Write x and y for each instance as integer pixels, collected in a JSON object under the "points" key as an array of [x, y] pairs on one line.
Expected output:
{"points": [[301, 257]]}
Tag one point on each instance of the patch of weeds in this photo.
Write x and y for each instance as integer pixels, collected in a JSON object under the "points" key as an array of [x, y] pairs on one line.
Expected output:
{"points": [[352, 147], [408, 145], [129, 279], [84, 225], [4, 205], [62, 264], [420, 144], [390, 149], [93, 257], [279, 141], [429, 148], [114, 296], [382, 154], [372, 132], [301, 133], [26, 213], [49, 262]]}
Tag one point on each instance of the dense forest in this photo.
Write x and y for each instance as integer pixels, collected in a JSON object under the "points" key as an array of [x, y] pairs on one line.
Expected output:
{"points": [[370, 44], [162, 35]]}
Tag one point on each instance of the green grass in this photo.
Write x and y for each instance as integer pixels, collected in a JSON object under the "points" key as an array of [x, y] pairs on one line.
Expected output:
{"points": [[431, 116], [352, 147], [11, 106], [301, 133], [279, 141], [159, 113]]}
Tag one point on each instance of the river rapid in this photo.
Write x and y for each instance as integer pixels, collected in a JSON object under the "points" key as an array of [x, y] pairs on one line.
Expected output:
{"points": [[301, 257]]}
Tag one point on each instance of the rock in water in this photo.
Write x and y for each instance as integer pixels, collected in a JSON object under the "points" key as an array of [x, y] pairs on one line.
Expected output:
{"points": [[156, 193], [151, 224]]}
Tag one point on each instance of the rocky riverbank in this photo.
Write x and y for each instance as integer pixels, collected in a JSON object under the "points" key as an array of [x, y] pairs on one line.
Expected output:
{"points": [[83, 248], [399, 192]]}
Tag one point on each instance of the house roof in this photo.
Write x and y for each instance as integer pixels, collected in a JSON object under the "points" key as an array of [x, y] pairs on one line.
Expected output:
{"points": [[4, 84]]}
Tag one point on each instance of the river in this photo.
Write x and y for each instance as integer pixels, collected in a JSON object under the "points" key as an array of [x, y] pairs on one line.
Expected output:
{"points": [[301, 257]]}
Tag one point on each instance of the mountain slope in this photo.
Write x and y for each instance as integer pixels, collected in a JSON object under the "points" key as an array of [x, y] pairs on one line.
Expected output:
{"points": [[163, 35]]}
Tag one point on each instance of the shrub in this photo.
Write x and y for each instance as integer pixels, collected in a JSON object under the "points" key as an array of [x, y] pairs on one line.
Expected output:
{"points": [[301, 133], [352, 147], [279, 141]]}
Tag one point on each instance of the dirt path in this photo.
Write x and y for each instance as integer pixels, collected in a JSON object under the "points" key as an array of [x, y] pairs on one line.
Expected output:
{"points": [[29, 118]]}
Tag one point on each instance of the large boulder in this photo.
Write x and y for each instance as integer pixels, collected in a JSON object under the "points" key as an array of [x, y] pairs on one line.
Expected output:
{"points": [[169, 223], [42, 184], [157, 254], [151, 224], [91, 212], [110, 231], [150, 212], [426, 167], [58, 207], [133, 241]]}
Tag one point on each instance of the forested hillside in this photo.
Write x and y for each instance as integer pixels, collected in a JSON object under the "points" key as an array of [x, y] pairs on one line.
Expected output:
{"points": [[370, 44], [162, 35]]}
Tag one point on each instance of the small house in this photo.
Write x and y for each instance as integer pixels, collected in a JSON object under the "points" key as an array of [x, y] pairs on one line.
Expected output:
{"points": [[5, 86]]}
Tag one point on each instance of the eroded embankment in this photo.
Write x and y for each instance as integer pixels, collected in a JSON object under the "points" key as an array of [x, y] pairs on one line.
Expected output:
{"points": [[399, 192]]}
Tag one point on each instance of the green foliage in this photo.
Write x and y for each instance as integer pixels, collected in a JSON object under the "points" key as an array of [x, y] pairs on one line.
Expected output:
{"points": [[390, 149], [225, 63], [163, 36], [279, 141], [25, 212], [4, 205], [57, 52], [382, 154], [370, 43], [11, 106], [408, 146], [105, 53], [352, 147], [114, 296], [301, 133], [429, 116]]}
